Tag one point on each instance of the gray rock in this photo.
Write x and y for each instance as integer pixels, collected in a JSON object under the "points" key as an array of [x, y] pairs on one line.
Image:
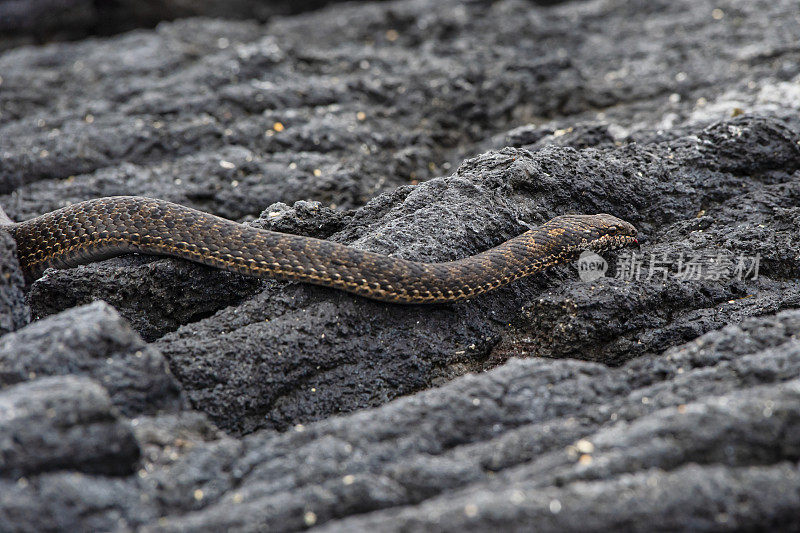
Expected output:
{"points": [[155, 296], [62, 423], [529, 433], [73, 501], [710, 498], [29, 21], [92, 341], [25, 21], [428, 130], [14, 311], [305, 373], [166, 438]]}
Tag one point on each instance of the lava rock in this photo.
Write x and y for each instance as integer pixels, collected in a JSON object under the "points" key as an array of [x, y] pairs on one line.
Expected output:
{"points": [[29, 21], [301, 345], [533, 438], [14, 310], [96, 342], [63, 423], [155, 296], [430, 131]]}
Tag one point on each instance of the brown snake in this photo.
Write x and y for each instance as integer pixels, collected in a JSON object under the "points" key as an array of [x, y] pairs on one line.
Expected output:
{"points": [[106, 227]]}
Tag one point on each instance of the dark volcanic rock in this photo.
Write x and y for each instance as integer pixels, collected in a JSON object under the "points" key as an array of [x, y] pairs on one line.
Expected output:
{"points": [[27, 21], [62, 423], [14, 311], [710, 498], [155, 296], [534, 439], [72, 501], [23, 21], [302, 346], [662, 396], [92, 341]]}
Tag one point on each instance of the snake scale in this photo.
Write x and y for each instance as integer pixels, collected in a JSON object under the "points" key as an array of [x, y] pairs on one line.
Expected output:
{"points": [[106, 227]]}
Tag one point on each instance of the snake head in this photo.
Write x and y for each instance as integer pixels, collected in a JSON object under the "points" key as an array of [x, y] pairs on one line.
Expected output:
{"points": [[611, 232], [601, 232]]}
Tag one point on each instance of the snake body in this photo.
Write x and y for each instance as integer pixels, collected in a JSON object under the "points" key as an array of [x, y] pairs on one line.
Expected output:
{"points": [[106, 227]]}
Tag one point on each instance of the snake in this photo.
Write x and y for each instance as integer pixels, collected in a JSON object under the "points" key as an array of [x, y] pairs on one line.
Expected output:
{"points": [[101, 228]]}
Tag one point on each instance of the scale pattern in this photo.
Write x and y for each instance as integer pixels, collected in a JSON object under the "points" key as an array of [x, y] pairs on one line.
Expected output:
{"points": [[106, 227]]}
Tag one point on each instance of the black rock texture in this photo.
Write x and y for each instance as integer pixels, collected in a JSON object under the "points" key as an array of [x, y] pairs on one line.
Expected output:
{"points": [[92, 341], [32, 21], [60, 422], [197, 400], [14, 310]]}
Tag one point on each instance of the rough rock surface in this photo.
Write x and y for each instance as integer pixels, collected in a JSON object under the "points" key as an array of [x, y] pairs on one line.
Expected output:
{"points": [[53, 423], [14, 311], [92, 341], [30, 21], [429, 131]]}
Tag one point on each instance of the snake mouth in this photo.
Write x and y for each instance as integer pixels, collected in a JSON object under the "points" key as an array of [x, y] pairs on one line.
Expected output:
{"points": [[611, 233], [613, 242]]}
